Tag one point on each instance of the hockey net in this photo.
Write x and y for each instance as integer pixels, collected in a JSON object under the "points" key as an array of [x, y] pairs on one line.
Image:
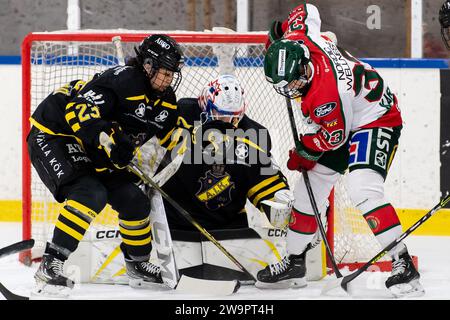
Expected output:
{"points": [[53, 59]]}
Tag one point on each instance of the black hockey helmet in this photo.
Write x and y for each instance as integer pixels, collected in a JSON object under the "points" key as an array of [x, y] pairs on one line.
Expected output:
{"points": [[161, 51], [444, 20]]}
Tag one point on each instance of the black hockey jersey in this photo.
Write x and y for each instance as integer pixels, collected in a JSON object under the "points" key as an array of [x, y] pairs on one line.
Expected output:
{"points": [[218, 174], [121, 94]]}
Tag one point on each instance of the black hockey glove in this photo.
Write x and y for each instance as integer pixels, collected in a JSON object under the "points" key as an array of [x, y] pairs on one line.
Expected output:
{"points": [[119, 147]]}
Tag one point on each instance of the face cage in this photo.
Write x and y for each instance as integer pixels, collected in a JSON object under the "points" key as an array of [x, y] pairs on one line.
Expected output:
{"points": [[289, 93], [177, 76], [297, 92], [236, 118], [445, 32]]}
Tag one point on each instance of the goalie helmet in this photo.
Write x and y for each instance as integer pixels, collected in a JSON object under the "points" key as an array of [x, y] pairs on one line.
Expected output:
{"points": [[223, 99], [286, 66], [161, 51], [444, 20]]}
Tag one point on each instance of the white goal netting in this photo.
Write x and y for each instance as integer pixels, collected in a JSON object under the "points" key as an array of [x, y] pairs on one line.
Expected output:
{"points": [[56, 58]]}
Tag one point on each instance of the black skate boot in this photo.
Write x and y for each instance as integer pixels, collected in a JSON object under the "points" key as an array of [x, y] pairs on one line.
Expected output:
{"points": [[143, 274], [404, 279], [50, 280], [288, 273]]}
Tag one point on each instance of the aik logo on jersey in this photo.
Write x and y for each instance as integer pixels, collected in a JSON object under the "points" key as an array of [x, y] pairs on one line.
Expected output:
{"points": [[215, 190]]}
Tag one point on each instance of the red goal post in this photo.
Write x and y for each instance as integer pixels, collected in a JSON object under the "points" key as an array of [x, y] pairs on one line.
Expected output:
{"points": [[51, 59]]}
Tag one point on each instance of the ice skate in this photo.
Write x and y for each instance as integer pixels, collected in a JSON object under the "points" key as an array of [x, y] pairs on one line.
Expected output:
{"points": [[143, 274], [404, 279], [50, 279], [288, 273]]}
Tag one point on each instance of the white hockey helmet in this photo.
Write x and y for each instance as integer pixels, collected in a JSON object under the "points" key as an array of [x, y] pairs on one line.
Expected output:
{"points": [[223, 99]]}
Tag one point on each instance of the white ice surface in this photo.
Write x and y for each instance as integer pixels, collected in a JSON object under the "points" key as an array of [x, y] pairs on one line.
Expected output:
{"points": [[434, 266]]}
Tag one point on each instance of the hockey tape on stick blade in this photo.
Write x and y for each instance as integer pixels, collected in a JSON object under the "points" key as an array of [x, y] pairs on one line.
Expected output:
{"points": [[207, 287]]}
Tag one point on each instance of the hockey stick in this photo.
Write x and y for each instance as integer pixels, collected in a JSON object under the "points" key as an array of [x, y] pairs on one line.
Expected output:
{"points": [[345, 281], [162, 240], [136, 170], [117, 41], [184, 283], [105, 142], [16, 247], [310, 192], [11, 249]]}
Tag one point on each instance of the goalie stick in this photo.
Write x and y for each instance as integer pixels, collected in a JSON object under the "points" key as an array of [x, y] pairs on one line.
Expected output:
{"points": [[105, 142], [310, 192], [345, 281], [162, 240], [6, 251]]}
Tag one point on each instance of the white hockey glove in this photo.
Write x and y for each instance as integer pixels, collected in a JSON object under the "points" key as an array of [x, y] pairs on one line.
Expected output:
{"points": [[279, 210]]}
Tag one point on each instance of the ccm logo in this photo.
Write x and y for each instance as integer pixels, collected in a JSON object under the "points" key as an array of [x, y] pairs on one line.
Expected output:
{"points": [[324, 109], [277, 233], [107, 234]]}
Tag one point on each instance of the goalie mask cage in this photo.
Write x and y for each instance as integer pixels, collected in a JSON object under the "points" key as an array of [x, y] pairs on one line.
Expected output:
{"points": [[52, 59]]}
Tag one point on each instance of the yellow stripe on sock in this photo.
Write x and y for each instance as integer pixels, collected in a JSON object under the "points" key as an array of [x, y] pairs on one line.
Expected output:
{"points": [[134, 223], [70, 216], [71, 232], [82, 208], [137, 242]]}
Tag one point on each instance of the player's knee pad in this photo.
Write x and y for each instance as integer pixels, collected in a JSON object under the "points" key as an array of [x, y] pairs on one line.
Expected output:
{"points": [[89, 192], [130, 202], [322, 180], [366, 189]]}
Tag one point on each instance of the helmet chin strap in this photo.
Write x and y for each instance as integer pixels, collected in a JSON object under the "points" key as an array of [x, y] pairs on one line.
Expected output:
{"points": [[309, 78]]}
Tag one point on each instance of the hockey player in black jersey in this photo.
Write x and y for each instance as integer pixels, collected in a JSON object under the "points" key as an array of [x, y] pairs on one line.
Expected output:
{"points": [[131, 104], [224, 163], [227, 161]]}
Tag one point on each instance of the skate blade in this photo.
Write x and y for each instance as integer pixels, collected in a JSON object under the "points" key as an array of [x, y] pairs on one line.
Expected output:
{"points": [[47, 291], [141, 284], [407, 290], [284, 284]]}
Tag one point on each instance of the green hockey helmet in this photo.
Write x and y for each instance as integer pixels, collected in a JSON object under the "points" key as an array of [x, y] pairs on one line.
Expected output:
{"points": [[287, 61]]}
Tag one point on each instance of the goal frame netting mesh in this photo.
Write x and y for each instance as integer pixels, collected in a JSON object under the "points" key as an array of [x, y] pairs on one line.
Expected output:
{"points": [[51, 59]]}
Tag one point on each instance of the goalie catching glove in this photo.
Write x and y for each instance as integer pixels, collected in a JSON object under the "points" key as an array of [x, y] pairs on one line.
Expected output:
{"points": [[118, 146], [278, 210], [302, 158]]}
